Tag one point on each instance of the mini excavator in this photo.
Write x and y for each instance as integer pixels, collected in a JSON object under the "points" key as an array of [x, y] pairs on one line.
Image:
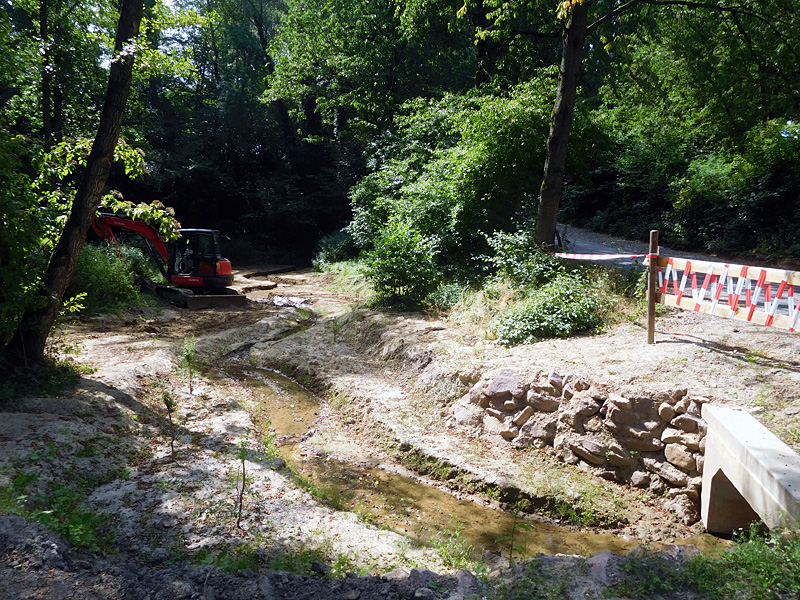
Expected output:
{"points": [[197, 274]]}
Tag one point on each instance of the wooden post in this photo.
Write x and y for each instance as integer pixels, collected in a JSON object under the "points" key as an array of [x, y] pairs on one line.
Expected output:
{"points": [[652, 286]]}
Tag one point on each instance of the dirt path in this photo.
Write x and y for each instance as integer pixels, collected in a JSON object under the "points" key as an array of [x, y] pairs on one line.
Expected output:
{"points": [[389, 378]]}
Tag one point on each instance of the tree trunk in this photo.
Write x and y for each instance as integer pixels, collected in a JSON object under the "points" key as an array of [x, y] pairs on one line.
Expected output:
{"points": [[27, 346], [563, 110]]}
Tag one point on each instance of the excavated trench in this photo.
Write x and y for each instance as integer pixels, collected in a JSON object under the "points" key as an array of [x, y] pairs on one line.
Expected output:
{"points": [[388, 496]]}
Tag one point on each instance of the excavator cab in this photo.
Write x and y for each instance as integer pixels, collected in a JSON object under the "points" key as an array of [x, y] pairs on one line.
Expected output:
{"points": [[196, 260]]}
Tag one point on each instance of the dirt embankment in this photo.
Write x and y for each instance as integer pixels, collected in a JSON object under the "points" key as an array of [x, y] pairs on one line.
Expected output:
{"points": [[173, 521]]}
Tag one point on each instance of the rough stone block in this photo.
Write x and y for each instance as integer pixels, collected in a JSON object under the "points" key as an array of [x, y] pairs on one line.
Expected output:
{"points": [[684, 509], [621, 416], [667, 471], [657, 485], [538, 431], [506, 383], [542, 402], [678, 455], [693, 441], [523, 416], [589, 450], [593, 424], [583, 404], [645, 406], [682, 405], [497, 414], [581, 385], [640, 479], [510, 432], [666, 412], [620, 402], [619, 457], [467, 414], [688, 423]]}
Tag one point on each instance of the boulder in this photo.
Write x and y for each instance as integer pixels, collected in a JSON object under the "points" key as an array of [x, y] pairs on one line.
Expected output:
{"points": [[523, 416], [589, 450], [666, 412], [640, 479], [667, 471], [538, 431], [679, 456], [505, 384], [542, 402]]}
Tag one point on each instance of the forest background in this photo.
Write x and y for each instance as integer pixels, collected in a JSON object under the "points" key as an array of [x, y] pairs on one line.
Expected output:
{"points": [[412, 131]]}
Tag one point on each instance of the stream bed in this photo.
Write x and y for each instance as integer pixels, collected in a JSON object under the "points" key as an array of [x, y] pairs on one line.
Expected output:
{"points": [[401, 503]]}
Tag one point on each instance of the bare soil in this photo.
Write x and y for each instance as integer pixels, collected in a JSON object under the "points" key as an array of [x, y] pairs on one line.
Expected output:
{"points": [[387, 381]]}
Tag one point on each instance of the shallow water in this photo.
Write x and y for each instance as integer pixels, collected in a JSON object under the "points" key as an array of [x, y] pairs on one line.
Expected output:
{"points": [[403, 504]]}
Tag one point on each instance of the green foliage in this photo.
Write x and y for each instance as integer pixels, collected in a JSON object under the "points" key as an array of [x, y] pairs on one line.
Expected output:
{"points": [[403, 261], [28, 230], [105, 278], [565, 306], [58, 506], [456, 553], [445, 297], [517, 257], [335, 247], [459, 168], [189, 360]]}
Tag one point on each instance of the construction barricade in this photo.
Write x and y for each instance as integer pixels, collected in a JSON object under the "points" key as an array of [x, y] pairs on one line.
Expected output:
{"points": [[754, 294]]}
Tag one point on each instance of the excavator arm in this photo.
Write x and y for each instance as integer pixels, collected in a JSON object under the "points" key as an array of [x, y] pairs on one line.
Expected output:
{"points": [[103, 223]]}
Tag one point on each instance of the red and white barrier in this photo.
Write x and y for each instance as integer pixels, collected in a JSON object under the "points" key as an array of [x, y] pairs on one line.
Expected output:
{"points": [[749, 298]]}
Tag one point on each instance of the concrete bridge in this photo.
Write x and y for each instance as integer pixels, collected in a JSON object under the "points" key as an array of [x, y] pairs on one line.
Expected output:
{"points": [[748, 474]]}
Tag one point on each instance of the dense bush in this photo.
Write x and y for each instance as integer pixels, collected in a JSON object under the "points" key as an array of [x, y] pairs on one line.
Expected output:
{"points": [[517, 257], [335, 247], [565, 306], [403, 262], [460, 168], [105, 277]]}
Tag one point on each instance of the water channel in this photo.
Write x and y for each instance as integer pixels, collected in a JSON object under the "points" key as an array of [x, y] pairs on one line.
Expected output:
{"points": [[402, 503]]}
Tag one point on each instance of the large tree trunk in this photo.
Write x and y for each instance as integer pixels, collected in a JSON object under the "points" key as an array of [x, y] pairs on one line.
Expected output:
{"points": [[563, 110], [27, 346]]}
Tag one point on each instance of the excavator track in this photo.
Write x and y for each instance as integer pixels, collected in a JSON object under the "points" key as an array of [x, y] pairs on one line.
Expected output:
{"points": [[185, 298]]}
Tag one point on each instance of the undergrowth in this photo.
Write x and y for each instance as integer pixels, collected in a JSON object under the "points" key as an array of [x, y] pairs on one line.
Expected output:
{"points": [[58, 505]]}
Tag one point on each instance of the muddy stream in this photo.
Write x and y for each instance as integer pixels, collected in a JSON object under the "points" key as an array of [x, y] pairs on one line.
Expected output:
{"points": [[402, 503]]}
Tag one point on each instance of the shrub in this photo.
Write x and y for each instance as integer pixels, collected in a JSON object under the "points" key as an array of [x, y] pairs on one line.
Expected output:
{"points": [[517, 257], [561, 308], [403, 262], [335, 247], [106, 278]]}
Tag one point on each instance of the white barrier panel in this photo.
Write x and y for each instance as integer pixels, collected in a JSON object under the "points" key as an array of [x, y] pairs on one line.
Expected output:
{"points": [[732, 291]]}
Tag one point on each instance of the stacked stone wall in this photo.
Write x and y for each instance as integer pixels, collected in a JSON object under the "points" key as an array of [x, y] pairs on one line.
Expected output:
{"points": [[652, 441]]}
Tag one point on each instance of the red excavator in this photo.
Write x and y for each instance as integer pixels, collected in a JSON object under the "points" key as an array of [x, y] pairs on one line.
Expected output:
{"points": [[193, 265]]}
